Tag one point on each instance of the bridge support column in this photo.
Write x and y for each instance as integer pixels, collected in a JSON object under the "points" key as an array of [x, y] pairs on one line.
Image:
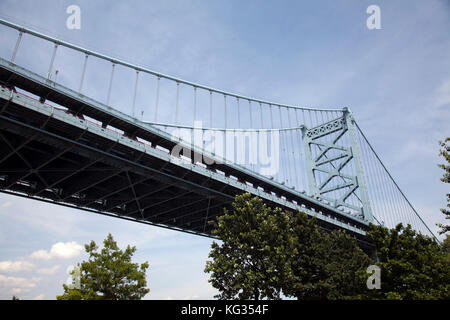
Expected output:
{"points": [[361, 179], [328, 157]]}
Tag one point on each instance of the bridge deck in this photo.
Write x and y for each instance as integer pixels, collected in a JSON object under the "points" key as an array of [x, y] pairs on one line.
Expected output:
{"points": [[56, 155]]}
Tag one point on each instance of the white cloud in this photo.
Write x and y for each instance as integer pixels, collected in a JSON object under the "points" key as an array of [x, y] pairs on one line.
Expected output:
{"points": [[41, 255], [19, 290], [40, 297], [18, 284], [60, 250], [15, 266], [48, 271]]}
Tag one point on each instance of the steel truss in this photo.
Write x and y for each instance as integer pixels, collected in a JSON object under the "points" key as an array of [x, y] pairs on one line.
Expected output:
{"points": [[328, 162]]}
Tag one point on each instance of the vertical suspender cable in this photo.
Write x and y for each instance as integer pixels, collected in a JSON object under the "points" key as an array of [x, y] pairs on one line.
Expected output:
{"points": [[225, 107], [250, 111], [321, 116], [134, 95], [304, 119], [19, 38], [311, 124], [283, 147], [271, 117], [251, 124], [382, 196], [390, 214], [110, 84], [258, 138], [210, 109], [286, 146], [51, 61], [398, 188], [261, 114], [195, 103], [376, 201], [395, 202], [238, 113], [292, 151], [177, 103], [296, 118], [317, 118], [83, 72], [273, 127], [300, 149], [157, 98], [301, 160]]}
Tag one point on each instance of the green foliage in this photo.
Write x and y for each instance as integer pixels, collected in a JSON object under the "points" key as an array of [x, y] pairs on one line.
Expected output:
{"points": [[446, 245], [266, 253], [307, 259], [413, 266], [445, 152], [109, 274], [246, 265], [346, 267]]}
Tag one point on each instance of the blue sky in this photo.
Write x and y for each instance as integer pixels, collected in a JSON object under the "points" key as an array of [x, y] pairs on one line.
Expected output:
{"points": [[309, 53]]}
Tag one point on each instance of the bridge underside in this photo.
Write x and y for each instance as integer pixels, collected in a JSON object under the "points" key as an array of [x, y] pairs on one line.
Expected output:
{"points": [[45, 157], [75, 168]]}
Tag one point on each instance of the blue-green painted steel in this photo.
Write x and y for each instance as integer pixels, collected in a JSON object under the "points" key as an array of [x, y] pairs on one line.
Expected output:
{"points": [[360, 175], [333, 166]]}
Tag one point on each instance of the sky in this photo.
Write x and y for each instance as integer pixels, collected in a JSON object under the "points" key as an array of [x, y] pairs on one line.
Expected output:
{"points": [[396, 80]]}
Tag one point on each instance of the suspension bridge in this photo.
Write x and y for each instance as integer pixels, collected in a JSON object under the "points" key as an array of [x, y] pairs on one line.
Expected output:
{"points": [[88, 131]]}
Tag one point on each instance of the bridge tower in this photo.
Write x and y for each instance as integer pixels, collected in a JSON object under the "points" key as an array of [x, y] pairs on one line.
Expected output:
{"points": [[334, 168]]}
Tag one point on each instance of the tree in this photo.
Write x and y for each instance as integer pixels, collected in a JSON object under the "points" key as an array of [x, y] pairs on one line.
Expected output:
{"points": [[307, 277], [445, 152], [108, 274], [445, 245], [266, 253], [413, 266], [346, 267], [246, 265], [324, 265]]}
